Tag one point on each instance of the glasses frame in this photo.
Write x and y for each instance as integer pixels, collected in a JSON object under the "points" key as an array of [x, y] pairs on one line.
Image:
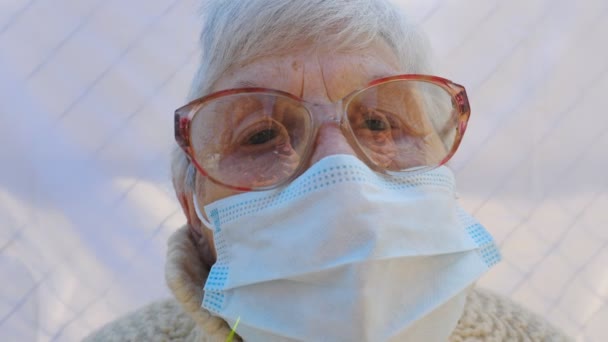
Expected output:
{"points": [[185, 114]]}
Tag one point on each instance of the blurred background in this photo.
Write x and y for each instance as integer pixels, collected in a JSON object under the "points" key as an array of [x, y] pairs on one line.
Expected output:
{"points": [[87, 92]]}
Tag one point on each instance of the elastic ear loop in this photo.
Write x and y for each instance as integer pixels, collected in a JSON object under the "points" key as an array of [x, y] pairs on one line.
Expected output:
{"points": [[200, 214]]}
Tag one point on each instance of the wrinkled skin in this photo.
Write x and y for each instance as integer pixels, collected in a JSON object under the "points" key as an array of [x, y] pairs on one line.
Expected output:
{"points": [[319, 78]]}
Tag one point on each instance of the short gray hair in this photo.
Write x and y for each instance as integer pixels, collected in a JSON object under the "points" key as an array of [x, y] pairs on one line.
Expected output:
{"points": [[238, 31]]}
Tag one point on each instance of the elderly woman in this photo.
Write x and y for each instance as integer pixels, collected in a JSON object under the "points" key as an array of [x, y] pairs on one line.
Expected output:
{"points": [[310, 172]]}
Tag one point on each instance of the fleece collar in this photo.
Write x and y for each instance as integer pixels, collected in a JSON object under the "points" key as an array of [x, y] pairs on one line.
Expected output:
{"points": [[186, 274]]}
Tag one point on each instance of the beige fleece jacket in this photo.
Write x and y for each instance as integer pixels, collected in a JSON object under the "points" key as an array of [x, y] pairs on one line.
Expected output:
{"points": [[487, 316]]}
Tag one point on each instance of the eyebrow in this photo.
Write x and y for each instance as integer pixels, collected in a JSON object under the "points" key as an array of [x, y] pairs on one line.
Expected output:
{"points": [[252, 84], [378, 76], [247, 84]]}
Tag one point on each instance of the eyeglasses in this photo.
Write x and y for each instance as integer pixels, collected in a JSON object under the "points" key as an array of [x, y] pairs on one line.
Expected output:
{"points": [[258, 139]]}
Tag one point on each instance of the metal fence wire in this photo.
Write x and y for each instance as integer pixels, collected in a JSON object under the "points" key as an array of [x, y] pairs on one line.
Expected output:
{"points": [[87, 91]]}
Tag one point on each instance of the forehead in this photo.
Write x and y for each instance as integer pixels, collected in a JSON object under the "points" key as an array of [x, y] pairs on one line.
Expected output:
{"points": [[308, 74]]}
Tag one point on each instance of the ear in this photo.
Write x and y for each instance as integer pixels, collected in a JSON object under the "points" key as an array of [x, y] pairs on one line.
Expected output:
{"points": [[202, 237], [185, 203], [185, 200]]}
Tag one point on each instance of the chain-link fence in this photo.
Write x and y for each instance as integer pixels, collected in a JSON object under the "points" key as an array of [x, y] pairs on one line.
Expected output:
{"points": [[87, 91]]}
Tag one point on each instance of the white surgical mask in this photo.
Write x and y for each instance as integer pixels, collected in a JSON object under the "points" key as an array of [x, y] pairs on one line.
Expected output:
{"points": [[346, 254]]}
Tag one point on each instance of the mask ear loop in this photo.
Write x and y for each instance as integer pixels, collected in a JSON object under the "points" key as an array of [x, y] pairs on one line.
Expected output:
{"points": [[199, 213]]}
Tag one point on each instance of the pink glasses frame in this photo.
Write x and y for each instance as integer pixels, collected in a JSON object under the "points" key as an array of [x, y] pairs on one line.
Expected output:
{"points": [[185, 114]]}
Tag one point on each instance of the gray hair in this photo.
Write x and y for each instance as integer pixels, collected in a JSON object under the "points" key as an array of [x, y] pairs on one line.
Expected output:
{"points": [[236, 32]]}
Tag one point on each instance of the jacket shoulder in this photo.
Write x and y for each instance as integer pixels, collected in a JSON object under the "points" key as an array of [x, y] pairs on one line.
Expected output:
{"points": [[491, 317], [159, 321]]}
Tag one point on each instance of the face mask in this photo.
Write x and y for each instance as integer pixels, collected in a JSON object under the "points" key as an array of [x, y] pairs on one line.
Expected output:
{"points": [[346, 254]]}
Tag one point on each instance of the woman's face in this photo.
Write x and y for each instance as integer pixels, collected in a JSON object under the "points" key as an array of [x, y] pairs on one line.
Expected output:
{"points": [[319, 78]]}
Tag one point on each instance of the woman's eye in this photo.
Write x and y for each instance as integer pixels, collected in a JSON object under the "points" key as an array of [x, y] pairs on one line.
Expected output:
{"points": [[262, 137], [376, 124]]}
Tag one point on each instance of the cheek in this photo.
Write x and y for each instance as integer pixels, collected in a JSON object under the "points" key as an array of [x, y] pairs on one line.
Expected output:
{"points": [[208, 192]]}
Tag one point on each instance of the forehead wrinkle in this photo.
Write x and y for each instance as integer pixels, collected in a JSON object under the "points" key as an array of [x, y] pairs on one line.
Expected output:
{"points": [[247, 75], [276, 74], [324, 80], [301, 92]]}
